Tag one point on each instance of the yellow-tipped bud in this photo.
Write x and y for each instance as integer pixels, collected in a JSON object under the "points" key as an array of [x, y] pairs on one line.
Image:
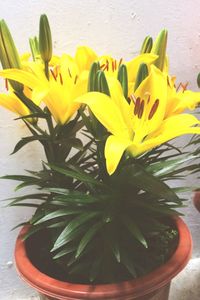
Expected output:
{"points": [[159, 48], [8, 53], [45, 40]]}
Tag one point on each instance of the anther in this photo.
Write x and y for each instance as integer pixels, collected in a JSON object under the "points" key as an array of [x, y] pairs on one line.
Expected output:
{"points": [[69, 73], [120, 61], [6, 84], [141, 109], [54, 76], [61, 79], [75, 80], [153, 109], [137, 106]]}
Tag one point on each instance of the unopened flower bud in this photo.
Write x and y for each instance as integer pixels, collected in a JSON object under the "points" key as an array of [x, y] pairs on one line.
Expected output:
{"points": [[159, 48], [45, 40], [141, 75], [9, 56], [147, 45]]}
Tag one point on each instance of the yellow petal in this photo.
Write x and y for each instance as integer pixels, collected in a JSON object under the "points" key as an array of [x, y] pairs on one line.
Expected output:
{"points": [[106, 111], [12, 103], [153, 89], [171, 128], [21, 76], [114, 149], [84, 57]]}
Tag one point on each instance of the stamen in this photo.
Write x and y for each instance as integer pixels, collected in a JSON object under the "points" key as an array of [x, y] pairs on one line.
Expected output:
{"points": [[132, 97], [115, 62], [6, 84], [137, 106], [178, 87], [153, 109], [102, 66], [54, 76], [75, 80], [141, 109], [184, 86], [61, 79], [113, 65], [148, 100], [70, 74], [107, 65], [120, 62], [168, 81]]}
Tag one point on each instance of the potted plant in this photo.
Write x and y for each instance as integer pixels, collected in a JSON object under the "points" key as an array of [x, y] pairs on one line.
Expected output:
{"points": [[106, 224]]}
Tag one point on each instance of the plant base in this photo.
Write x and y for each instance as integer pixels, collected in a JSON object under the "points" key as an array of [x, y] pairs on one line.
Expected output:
{"points": [[153, 286]]}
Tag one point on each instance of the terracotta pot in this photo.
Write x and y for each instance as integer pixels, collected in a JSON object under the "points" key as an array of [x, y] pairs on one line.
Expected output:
{"points": [[153, 286], [196, 200]]}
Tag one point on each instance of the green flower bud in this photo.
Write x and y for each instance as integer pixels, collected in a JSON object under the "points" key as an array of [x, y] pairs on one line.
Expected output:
{"points": [[101, 84], [198, 80], [92, 75], [122, 76], [141, 75], [45, 40], [147, 45], [34, 45], [9, 56], [159, 48]]}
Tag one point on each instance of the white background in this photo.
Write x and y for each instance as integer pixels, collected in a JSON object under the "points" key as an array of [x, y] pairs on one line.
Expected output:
{"points": [[117, 27]]}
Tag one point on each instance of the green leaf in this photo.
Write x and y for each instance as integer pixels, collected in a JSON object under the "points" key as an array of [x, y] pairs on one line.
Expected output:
{"points": [[72, 196], [26, 140], [134, 230], [74, 224], [165, 167], [65, 251], [136, 175], [88, 237], [79, 175], [58, 213]]}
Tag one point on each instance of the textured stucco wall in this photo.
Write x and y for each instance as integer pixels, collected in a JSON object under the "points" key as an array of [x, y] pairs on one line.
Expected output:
{"points": [[116, 27]]}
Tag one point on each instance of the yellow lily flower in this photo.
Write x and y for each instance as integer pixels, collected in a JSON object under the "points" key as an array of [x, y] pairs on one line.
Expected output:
{"points": [[58, 93], [141, 125], [180, 99]]}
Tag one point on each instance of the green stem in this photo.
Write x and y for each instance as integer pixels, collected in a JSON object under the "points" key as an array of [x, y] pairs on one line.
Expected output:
{"points": [[46, 69]]}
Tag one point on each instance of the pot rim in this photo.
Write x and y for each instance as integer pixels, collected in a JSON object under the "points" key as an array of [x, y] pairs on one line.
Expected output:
{"points": [[137, 287]]}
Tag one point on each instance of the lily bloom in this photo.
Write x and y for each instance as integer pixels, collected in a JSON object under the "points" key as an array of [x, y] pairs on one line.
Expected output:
{"points": [[179, 98], [67, 81], [141, 125], [58, 93]]}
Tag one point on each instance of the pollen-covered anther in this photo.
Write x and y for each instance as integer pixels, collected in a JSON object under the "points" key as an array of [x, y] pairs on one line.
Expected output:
{"points": [[6, 84], [53, 74], [153, 109], [113, 65], [120, 62], [137, 106], [70, 74], [141, 109], [61, 79], [75, 79]]}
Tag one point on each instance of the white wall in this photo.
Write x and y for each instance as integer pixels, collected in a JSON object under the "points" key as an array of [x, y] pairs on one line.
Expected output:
{"points": [[116, 27]]}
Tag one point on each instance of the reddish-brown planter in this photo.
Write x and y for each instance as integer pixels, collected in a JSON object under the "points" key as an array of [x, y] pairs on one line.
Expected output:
{"points": [[153, 286], [196, 200]]}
